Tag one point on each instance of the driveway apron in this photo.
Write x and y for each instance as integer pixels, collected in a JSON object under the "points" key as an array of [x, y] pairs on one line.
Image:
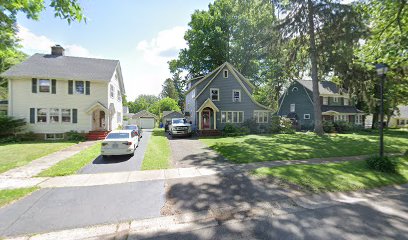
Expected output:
{"points": [[72, 207], [190, 152], [120, 163]]}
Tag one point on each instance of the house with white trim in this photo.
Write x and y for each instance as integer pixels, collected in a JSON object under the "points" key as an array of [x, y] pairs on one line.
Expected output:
{"points": [[223, 96], [296, 103], [57, 93]]}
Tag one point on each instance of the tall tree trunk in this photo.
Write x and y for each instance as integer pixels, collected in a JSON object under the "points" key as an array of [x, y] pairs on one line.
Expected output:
{"points": [[318, 128]]}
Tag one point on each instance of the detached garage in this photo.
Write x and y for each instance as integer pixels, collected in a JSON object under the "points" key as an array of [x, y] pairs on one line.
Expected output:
{"points": [[144, 119]]}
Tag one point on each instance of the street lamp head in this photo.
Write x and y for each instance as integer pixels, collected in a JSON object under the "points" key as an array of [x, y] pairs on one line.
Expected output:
{"points": [[381, 69]]}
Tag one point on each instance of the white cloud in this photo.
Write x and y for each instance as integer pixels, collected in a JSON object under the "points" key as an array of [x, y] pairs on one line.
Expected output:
{"points": [[144, 67], [33, 43], [164, 46]]}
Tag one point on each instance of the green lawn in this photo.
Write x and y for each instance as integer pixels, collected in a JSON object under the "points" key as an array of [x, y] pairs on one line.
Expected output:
{"points": [[346, 176], [258, 148], [157, 155], [10, 195], [14, 155], [73, 164]]}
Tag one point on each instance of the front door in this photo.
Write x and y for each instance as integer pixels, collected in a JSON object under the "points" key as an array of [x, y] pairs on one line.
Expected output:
{"points": [[102, 120], [206, 121]]}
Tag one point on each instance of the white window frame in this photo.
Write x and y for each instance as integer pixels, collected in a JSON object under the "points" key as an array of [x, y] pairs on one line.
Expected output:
{"points": [[346, 102], [292, 106], [54, 136], [233, 95], [218, 94], [325, 100], [58, 115], [260, 115], [306, 116], [358, 119], [39, 87], [336, 99], [46, 116], [75, 88], [112, 91], [119, 96], [225, 73], [225, 116], [341, 117], [70, 115]]}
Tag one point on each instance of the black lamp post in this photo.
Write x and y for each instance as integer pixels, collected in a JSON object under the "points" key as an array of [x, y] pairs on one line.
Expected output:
{"points": [[381, 71]]}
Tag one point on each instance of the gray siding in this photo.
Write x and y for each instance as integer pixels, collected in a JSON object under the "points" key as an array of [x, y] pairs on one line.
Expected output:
{"points": [[303, 104], [225, 103], [191, 107]]}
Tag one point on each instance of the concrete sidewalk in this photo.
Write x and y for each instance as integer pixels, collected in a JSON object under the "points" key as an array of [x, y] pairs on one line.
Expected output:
{"points": [[176, 173], [36, 166], [387, 203]]}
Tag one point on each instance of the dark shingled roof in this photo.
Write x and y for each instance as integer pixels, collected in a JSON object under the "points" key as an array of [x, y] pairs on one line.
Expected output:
{"points": [[341, 109], [64, 67], [325, 87]]}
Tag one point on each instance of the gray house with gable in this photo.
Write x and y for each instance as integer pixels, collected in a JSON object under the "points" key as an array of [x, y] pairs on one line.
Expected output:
{"points": [[336, 104], [223, 96]]}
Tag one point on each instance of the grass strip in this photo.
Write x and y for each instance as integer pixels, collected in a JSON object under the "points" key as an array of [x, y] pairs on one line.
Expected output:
{"points": [[158, 151], [72, 164]]}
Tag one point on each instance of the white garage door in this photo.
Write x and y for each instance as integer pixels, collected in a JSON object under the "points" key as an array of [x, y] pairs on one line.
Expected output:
{"points": [[147, 123]]}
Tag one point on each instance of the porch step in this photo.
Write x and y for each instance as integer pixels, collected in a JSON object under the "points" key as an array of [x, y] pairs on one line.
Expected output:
{"points": [[210, 132], [97, 135]]}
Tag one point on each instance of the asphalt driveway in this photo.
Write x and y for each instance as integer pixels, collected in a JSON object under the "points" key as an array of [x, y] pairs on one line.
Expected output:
{"points": [[120, 163], [190, 152]]}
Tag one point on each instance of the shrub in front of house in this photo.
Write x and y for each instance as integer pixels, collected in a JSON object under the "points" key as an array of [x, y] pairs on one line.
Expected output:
{"points": [[343, 126], [328, 127], [234, 130], [281, 125], [251, 125], [286, 126], [28, 136], [9, 139], [75, 136], [382, 165], [11, 125]]}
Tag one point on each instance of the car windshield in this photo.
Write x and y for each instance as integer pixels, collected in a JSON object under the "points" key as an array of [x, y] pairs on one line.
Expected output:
{"points": [[117, 135], [130, 127], [177, 121]]}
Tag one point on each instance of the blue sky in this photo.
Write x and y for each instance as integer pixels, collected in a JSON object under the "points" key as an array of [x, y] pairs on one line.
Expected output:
{"points": [[143, 35]]}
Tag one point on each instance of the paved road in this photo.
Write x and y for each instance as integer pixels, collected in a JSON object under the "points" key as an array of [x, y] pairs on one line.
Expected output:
{"points": [[63, 208], [377, 218], [120, 163]]}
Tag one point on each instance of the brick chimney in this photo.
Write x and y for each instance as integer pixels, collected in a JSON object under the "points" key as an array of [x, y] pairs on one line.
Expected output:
{"points": [[57, 50]]}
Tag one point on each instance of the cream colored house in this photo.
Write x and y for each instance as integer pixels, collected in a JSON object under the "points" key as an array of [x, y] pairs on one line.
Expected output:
{"points": [[400, 117], [57, 93]]}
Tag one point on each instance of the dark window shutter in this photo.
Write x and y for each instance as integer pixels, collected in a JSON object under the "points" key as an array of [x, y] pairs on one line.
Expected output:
{"points": [[74, 115], [70, 87], [32, 115], [53, 86], [34, 85], [87, 87]]}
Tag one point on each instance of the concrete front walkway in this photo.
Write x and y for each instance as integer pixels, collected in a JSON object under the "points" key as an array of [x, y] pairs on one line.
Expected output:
{"points": [[176, 173], [40, 164]]}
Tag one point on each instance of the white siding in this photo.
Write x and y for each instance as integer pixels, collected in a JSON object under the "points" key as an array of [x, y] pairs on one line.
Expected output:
{"points": [[23, 99], [115, 102]]}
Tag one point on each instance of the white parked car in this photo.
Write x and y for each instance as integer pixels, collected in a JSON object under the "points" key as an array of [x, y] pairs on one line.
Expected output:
{"points": [[120, 142]]}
